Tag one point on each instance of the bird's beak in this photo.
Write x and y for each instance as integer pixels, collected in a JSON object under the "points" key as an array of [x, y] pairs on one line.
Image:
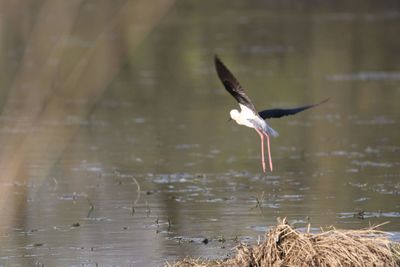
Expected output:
{"points": [[230, 119]]}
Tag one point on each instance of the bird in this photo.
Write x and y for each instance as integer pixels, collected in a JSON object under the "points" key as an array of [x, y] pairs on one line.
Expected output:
{"points": [[248, 114]]}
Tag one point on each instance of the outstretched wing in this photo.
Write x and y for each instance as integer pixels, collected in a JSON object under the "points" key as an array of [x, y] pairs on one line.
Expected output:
{"points": [[277, 113], [232, 85]]}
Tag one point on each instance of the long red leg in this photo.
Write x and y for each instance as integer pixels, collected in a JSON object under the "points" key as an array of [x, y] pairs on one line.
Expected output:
{"points": [[262, 150], [269, 152]]}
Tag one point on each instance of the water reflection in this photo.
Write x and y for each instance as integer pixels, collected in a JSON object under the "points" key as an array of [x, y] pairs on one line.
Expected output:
{"points": [[115, 145]]}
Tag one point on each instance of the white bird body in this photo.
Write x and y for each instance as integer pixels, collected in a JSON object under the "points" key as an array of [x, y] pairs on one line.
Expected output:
{"points": [[243, 117], [248, 118]]}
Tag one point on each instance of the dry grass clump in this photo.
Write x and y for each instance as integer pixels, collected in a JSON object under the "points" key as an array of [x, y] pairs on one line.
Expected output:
{"points": [[284, 246]]}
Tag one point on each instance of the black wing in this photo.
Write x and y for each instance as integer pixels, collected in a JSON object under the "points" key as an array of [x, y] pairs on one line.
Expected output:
{"points": [[277, 113], [232, 85]]}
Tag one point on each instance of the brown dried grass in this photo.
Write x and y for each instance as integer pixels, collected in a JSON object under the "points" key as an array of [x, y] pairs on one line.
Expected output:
{"points": [[285, 246]]}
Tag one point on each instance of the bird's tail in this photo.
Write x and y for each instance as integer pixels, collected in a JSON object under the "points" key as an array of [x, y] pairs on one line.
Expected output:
{"points": [[271, 132]]}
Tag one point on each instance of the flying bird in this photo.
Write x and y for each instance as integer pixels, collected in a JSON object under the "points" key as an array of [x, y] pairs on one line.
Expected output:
{"points": [[248, 115]]}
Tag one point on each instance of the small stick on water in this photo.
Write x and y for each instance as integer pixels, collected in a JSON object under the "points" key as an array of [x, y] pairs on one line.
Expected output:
{"points": [[117, 177], [148, 211], [56, 184], [138, 189], [138, 195], [133, 210], [169, 224], [260, 202], [91, 207]]}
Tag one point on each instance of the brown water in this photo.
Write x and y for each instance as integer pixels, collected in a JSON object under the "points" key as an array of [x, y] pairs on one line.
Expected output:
{"points": [[116, 148]]}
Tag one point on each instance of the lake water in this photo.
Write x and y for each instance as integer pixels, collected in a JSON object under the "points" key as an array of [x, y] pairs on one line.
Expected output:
{"points": [[115, 145]]}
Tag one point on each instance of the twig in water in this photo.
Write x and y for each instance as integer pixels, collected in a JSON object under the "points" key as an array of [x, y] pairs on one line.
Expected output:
{"points": [[138, 195], [117, 177], [148, 211], [138, 190], [91, 207], [133, 210], [259, 202], [56, 184]]}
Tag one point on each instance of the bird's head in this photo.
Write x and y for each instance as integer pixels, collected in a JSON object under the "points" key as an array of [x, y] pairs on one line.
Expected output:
{"points": [[234, 114]]}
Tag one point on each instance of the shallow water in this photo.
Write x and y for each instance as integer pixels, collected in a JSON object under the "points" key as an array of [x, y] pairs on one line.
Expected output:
{"points": [[126, 157]]}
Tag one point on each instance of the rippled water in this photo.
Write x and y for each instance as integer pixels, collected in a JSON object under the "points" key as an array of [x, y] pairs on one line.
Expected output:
{"points": [[144, 168]]}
